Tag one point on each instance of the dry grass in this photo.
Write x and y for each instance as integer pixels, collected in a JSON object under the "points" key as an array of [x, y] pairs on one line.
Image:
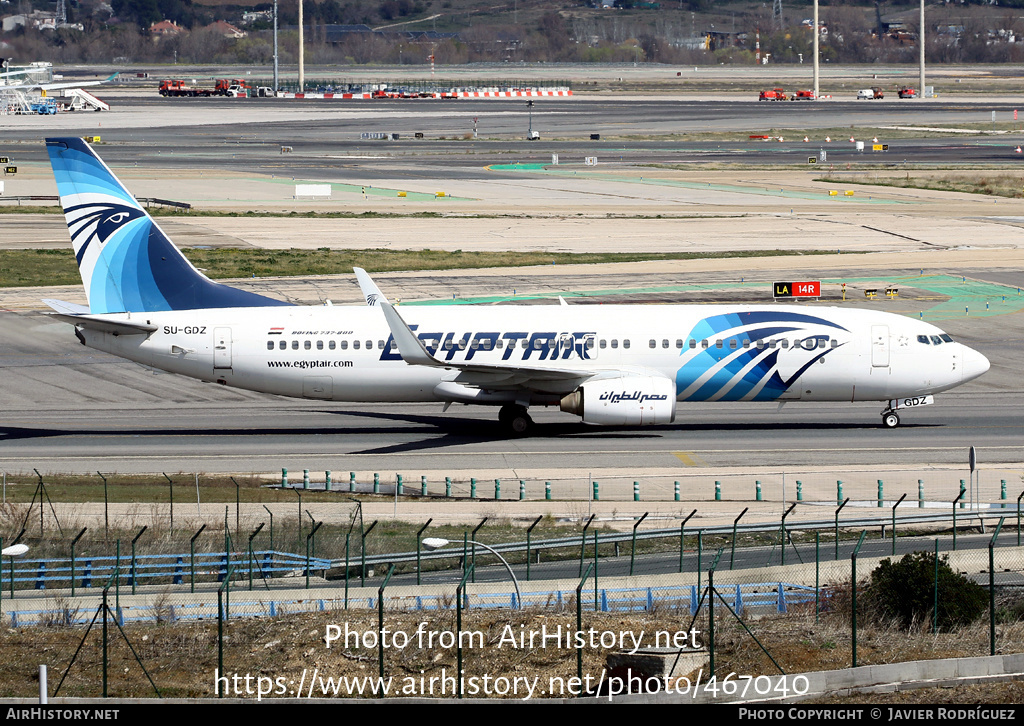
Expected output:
{"points": [[182, 657]]}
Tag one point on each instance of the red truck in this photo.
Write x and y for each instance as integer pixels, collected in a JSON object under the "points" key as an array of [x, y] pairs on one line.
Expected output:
{"points": [[222, 87], [803, 96], [775, 94]]}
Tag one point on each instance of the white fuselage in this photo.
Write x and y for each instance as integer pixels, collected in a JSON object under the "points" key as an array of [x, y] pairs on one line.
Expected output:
{"points": [[712, 352]]}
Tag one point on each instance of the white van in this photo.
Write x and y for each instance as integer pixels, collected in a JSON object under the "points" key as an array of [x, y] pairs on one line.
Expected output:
{"points": [[865, 93]]}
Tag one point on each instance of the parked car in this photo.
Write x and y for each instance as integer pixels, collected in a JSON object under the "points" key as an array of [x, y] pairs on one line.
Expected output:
{"points": [[865, 93]]}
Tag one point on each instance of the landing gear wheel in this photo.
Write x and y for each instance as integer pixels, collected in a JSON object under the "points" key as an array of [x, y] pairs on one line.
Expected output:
{"points": [[516, 419], [890, 419]]}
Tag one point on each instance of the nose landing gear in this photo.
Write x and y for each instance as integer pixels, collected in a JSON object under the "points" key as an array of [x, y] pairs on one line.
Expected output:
{"points": [[890, 419]]}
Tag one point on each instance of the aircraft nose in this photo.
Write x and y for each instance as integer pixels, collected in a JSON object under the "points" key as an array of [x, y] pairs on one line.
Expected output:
{"points": [[974, 364]]}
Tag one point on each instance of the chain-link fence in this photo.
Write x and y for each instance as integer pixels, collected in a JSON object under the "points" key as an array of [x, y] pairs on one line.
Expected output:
{"points": [[351, 604]]}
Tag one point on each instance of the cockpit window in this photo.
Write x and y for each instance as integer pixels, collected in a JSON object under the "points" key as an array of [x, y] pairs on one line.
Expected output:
{"points": [[936, 340], [947, 337], [923, 339]]}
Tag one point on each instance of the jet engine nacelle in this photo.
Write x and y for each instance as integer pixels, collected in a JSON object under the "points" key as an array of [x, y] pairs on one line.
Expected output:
{"points": [[627, 401]]}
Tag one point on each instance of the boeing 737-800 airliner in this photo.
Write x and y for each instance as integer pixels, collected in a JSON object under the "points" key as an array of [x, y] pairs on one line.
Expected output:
{"points": [[611, 364]]}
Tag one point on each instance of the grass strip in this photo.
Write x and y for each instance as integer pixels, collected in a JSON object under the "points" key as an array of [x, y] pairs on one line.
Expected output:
{"points": [[35, 267]]}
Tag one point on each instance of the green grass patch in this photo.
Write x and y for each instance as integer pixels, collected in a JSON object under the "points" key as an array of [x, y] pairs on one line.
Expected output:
{"points": [[997, 185], [27, 268]]}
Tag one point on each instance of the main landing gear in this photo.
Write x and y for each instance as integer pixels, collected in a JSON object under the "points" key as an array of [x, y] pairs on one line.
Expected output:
{"points": [[890, 419], [516, 419]]}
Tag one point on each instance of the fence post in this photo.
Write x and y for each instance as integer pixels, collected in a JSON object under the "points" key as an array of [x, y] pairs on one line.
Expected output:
{"points": [[894, 523], [327, 481], [837, 525], [376, 483], [305, 478], [853, 582], [497, 488], [547, 491], [351, 481], [799, 490], [881, 498], [992, 588], [448, 486], [636, 491], [682, 538], [380, 629], [675, 491], [920, 494], [757, 489], [284, 478], [732, 555], [522, 490], [839, 491], [528, 531], [423, 485], [1002, 493], [472, 488], [632, 549], [959, 497]]}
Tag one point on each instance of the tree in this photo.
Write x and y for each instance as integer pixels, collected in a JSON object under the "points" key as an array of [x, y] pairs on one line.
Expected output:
{"points": [[904, 592]]}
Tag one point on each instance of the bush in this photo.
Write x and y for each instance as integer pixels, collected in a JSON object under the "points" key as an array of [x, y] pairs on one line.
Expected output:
{"points": [[904, 592]]}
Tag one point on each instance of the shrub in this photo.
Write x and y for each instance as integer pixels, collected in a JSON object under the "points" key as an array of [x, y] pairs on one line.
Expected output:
{"points": [[904, 592]]}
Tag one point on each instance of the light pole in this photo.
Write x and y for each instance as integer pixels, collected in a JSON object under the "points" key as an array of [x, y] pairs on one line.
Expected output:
{"points": [[436, 543]]}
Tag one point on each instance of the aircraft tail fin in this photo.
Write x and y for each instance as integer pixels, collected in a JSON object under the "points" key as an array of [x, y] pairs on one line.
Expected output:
{"points": [[126, 261]]}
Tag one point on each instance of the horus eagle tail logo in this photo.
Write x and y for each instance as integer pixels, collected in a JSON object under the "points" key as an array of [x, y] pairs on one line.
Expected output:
{"points": [[97, 222]]}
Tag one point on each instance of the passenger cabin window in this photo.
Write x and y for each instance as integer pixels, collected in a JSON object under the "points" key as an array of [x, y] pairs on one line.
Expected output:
{"points": [[664, 343], [679, 342], [693, 343], [394, 345], [330, 344], [295, 345], [615, 343], [732, 343], [835, 343], [625, 343], [380, 344], [344, 345], [718, 343], [282, 345], [760, 345], [270, 345], [653, 343], [355, 345], [704, 344], [604, 343], [319, 345]]}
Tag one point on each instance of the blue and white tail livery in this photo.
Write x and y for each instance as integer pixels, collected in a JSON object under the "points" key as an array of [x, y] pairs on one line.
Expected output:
{"points": [[126, 261], [619, 365]]}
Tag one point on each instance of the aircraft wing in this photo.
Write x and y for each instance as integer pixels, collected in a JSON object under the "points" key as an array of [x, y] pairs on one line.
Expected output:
{"points": [[55, 86], [482, 375]]}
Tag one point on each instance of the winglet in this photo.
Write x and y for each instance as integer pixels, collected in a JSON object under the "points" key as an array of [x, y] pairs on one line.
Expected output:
{"points": [[369, 288], [410, 347]]}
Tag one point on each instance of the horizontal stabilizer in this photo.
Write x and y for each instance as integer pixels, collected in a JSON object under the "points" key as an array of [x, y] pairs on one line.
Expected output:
{"points": [[66, 307], [105, 325]]}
